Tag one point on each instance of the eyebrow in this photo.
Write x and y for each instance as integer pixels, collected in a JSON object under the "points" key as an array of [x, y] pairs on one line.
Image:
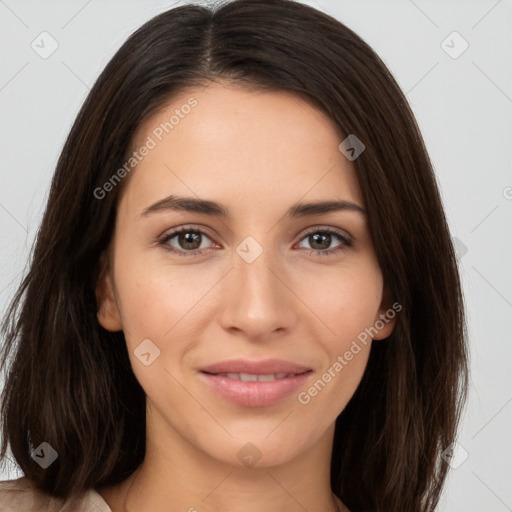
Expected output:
{"points": [[192, 204]]}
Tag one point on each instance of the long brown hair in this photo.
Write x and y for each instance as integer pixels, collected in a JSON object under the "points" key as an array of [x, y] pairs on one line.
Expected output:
{"points": [[70, 382]]}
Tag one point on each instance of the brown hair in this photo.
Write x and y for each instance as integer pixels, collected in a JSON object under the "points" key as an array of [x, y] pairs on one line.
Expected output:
{"points": [[70, 382]]}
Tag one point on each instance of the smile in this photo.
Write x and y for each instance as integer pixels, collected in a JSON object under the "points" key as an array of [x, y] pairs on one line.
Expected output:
{"points": [[253, 377]]}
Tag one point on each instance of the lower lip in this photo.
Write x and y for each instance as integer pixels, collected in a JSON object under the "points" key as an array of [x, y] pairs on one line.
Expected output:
{"points": [[255, 394]]}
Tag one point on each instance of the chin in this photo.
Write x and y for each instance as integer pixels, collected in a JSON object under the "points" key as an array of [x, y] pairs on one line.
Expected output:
{"points": [[259, 451]]}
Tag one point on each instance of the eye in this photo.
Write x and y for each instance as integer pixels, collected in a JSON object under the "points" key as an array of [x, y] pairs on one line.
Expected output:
{"points": [[320, 240], [189, 241]]}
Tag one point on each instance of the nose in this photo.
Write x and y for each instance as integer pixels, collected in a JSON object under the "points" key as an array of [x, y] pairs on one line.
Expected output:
{"points": [[257, 299]]}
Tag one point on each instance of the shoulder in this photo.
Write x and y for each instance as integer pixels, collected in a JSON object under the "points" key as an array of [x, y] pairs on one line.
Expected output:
{"points": [[21, 495]]}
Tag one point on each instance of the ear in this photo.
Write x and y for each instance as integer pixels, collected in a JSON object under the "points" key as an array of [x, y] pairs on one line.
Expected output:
{"points": [[108, 311], [385, 319]]}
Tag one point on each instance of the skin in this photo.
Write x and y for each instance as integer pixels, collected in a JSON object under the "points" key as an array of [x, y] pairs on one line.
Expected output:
{"points": [[257, 153]]}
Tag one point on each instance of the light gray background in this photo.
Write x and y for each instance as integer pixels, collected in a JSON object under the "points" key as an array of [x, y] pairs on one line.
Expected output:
{"points": [[463, 106]]}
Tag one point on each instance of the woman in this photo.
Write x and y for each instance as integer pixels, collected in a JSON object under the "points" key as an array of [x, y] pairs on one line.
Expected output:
{"points": [[243, 290]]}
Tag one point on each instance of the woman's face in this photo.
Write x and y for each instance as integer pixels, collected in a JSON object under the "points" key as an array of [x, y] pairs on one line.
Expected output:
{"points": [[256, 286]]}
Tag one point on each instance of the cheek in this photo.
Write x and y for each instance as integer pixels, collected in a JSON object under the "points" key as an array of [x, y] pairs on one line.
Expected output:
{"points": [[350, 303], [154, 315], [153, 298], [165, 304], [348, 312]]}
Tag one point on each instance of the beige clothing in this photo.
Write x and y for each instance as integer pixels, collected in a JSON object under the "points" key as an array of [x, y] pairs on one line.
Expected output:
{"points": [[20, 495]]}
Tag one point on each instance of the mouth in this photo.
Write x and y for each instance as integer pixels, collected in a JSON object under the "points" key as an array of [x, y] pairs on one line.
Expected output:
{"points": [[255, 377], [255, 383]]}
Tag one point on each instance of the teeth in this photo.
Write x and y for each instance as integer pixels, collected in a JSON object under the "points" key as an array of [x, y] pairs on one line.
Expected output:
{"points": [[266, 377], [248, 377], [252, 377]]}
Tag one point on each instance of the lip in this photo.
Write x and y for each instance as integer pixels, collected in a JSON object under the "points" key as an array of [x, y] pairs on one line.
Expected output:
{"points": [[261, 367], [255, 393]]}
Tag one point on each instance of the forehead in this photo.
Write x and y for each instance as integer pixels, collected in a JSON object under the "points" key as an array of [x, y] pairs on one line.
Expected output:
{"points": [[230, 144]]}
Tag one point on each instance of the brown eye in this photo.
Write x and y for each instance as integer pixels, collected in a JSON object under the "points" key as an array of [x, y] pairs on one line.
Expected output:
{"points": [[188, 241], [320, 241]]}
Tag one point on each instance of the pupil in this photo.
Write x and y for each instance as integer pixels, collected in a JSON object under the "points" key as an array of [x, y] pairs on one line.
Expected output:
{"points": [[326, 243], [189, 240]]}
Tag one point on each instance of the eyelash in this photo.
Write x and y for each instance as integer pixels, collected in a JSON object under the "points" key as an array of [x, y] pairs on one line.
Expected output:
{"points": [[345, 240]]}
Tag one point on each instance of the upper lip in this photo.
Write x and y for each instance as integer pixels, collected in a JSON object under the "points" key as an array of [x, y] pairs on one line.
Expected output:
{"points": [[261, 367]]}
